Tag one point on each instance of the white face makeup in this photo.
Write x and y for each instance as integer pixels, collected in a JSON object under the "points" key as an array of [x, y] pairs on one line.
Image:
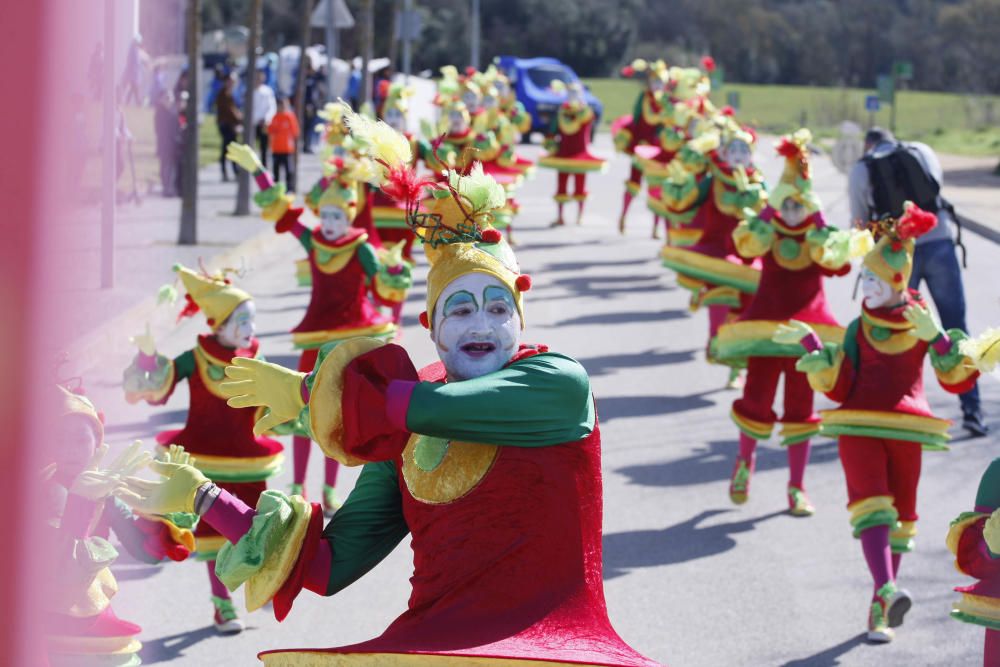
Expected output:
{"points": [[77, 441], [457, 123], [574, 94], [471, 100], [333, 222], [737, 154], [476, 326], [877, 292], [238, 329], [793, 213], [489, 102], [395, 119], [657, 85]]}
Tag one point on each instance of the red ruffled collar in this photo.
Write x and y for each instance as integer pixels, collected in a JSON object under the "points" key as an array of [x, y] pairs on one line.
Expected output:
{"points": [[210, 343]]}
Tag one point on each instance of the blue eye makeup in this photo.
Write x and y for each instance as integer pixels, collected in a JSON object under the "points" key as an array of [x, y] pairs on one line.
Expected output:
{"points": [[460, 299], [495, 293]]}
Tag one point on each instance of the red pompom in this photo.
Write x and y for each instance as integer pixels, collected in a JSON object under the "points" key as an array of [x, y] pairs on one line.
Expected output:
{"points": [[424, 322], [189, 309], [708, 63], [727, 111], [896, 246], [523, 282], [897, 277], [491, 236], [470, 70], [211, 321], [915, 222], [786, 148], [628, 71]]}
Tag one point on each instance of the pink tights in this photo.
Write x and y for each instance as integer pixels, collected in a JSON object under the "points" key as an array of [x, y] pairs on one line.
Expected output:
{"points": [[301, 448]]}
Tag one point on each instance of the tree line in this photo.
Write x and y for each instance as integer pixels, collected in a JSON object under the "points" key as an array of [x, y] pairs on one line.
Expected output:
{"points": [[950, 43]]}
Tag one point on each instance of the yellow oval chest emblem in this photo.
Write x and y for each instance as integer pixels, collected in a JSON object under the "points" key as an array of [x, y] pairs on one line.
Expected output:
{"points": [[440, 471]]}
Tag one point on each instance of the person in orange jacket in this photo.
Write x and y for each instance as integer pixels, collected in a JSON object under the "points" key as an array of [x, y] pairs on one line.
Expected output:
{"points": [[284, 131]]}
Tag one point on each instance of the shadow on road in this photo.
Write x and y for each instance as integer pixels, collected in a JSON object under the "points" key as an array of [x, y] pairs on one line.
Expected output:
{"points": [[606, 287], [556, 267], [617, 407], [605, 364], [171, 647], [829, 657], [680, 543], [714, 463], [625, 317], [156, 419]]}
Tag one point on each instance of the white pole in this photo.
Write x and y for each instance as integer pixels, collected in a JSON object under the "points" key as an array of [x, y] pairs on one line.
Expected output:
{"points": [[475, 36]]}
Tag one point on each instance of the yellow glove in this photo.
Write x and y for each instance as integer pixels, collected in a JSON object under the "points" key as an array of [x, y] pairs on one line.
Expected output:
{"points": [[791, 333], [244, 156], [144, 342], [175, 493], [925, 327], [991, 532], [96, 484], [254, 383]]}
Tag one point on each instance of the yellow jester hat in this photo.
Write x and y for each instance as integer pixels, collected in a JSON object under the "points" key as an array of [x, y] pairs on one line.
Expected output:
{"points": [[796, 179], [456, 230], [892, 257], [214, 295]]}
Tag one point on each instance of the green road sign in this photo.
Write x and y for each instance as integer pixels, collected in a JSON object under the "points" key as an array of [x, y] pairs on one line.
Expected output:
{"points": [[902, 70], [886, 88]]}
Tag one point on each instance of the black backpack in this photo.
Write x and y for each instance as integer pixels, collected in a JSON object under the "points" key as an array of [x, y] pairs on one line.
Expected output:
{"points": [[899, 176]]}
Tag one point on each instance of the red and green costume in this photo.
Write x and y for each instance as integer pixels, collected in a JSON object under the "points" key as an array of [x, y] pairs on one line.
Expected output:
{"points": [[980, 602], [509, 461], [569, 152]]}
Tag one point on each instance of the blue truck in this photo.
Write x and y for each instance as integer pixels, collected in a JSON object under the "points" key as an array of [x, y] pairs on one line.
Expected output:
{"points": [[531, 79]]}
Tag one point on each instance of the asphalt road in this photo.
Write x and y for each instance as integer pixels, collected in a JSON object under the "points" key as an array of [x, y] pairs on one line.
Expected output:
{"points": [[690, 579]]}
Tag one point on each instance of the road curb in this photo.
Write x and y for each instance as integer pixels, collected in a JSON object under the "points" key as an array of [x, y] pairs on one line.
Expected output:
{"points": [[979, 228]]}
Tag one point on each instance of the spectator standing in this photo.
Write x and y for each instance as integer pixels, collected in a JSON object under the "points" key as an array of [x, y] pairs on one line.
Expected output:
{"points": [[889, 172], [167, 124], [311, 104], [264, 108], [228, 117], [284, 130]]}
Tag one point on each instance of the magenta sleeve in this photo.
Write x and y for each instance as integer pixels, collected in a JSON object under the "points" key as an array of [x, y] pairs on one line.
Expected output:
{"points": [[811, 342], [230, 516], [942, 344], [397, 405], [264, 180]]}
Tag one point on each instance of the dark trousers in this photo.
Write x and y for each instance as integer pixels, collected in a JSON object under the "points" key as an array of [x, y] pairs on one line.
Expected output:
{"points": [[936, 264], [285, 161], [228, 134], [262, 142]]}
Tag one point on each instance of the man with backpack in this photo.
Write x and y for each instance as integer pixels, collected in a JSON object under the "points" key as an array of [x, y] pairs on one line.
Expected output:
{"points": [[893, 172]]}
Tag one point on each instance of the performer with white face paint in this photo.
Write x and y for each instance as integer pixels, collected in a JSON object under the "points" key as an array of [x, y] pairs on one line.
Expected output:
{"points": [[798, 250], [344, 269], [228, 452], [884, 420], [489, 459]]}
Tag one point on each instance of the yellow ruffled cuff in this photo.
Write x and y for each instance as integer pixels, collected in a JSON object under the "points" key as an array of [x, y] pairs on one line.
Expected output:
{"points": [[825, 380], [274, 211]]}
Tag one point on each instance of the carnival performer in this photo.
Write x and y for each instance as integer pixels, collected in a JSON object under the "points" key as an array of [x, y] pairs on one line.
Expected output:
{"points": [[568, 143], [80, 627], [517, 123], [798, 250], [228, 452], [489, 459], [884, 421], [718, 277], [974, 539], [641, 128], [388, 214], [344, 268]]}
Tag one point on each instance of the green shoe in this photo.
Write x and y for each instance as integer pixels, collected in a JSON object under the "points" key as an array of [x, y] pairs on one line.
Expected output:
{"points": [[227, 622], [798, 502], [739, 482], [331, 503]]}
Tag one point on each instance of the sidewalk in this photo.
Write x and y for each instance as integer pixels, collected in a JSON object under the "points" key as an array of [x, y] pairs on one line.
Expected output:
{"points": [[972, 187], [146, 249]]}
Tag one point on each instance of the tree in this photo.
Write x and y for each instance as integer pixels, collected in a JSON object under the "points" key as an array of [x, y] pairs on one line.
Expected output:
{"points": [[243, 188], [189, 182]]}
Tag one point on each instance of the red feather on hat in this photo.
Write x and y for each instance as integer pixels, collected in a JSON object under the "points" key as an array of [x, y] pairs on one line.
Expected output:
{"points": [[914, 222], [708, 63]]}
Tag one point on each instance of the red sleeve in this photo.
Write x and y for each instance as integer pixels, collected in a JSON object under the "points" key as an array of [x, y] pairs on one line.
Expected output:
{"points": [[973, 555]]}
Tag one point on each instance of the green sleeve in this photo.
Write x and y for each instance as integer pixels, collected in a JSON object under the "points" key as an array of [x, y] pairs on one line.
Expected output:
{"points": [[637, 107], [368, 259], [367, 528], [851, 343], [536, 402], [306, 239], [184, 366]]}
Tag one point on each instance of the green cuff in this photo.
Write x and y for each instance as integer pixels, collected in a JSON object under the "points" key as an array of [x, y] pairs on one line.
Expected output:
{"points": [[238, 562], [878, 518], [944, 363], [265, 198]]}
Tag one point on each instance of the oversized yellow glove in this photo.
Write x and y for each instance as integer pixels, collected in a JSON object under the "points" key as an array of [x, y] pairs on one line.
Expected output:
{"points": [[145, 342], [925, 327], [174, 493], [254, 383], [991, 532], [791, 333], [96, 483], [244, 156]]}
